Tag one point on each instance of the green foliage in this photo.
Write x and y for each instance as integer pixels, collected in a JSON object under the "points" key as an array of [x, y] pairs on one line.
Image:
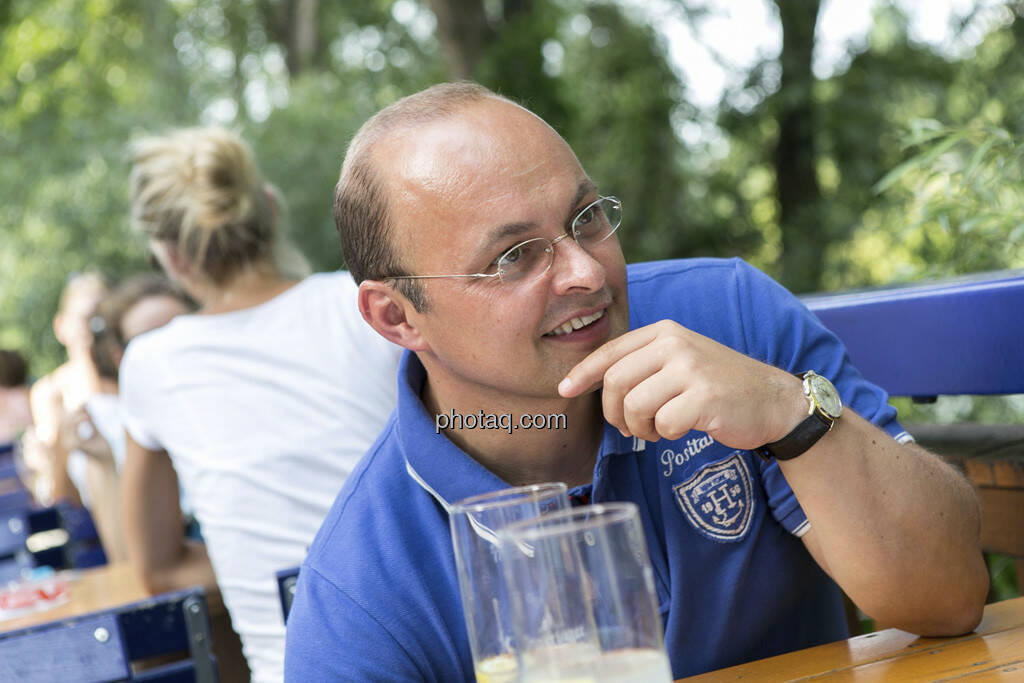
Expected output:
{"points": [[622, 95], [80, 78], [1005, 582], [964, 186], [934, 218], [77, 78]]}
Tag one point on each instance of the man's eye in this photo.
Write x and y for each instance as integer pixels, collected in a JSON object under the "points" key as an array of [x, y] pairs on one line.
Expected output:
{"points": [[586, 215], [512, 255]]}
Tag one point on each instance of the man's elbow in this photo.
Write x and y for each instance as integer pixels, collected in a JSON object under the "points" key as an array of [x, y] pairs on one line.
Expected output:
{"points": [[938, 613], [968, 619], [955, 621]]}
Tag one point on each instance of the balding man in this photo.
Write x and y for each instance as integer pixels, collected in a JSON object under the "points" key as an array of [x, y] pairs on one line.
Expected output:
{"points": [[485, 250]]}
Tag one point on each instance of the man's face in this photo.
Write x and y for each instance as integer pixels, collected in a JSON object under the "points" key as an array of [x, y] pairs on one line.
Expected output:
{"points": [[462, 191]]}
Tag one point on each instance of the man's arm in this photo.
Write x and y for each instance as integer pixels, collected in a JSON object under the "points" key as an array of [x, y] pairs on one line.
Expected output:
{"points": [[902, 539], [895, 527], [154, 531]]}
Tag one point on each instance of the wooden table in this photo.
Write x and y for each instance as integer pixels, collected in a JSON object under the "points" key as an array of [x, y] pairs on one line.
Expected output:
{"points": [[995, 651], [93, 589]]}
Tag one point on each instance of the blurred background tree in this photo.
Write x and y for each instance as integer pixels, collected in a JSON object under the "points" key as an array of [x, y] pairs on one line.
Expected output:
{"points": [[903, 164]]}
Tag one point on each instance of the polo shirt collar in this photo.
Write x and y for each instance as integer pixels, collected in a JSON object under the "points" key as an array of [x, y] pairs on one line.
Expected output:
{"points": [[614, 443], [443, 469], [440, 467]]}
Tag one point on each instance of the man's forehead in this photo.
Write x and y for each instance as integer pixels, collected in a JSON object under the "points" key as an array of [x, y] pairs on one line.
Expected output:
{"points": [[470, 169], [483, 139]]}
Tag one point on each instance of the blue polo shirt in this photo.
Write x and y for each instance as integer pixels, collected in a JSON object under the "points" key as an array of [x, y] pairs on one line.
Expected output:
{"points": [[378, 596]]}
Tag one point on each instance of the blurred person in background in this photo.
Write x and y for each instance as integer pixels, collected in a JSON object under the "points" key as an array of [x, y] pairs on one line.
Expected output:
{"points": [[59, 475], [139, 304], [261, 402], [15, 411]]}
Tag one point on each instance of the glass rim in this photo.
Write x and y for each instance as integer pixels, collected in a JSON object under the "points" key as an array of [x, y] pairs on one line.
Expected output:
{"points": [[558, 522], [514, 495]]}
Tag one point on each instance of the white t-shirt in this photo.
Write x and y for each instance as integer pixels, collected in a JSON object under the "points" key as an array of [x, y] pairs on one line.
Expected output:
{"points": [[264, 412]]}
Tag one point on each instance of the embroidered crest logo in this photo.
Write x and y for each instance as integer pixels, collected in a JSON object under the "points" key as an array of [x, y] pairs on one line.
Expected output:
{"points": [[719, 499]]}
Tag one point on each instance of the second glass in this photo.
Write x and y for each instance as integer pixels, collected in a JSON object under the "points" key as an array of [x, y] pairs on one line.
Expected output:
{"points": [[583, 600]]}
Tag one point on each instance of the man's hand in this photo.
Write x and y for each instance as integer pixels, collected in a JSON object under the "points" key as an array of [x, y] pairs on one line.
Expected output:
{"points": [[662, 380]]}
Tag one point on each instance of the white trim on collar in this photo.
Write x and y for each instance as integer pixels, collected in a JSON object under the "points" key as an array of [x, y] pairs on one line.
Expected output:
{"points": [[426, 487]]}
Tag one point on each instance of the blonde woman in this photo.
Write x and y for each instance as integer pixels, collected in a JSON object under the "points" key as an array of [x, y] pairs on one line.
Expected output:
{"points": [[260, 403]]}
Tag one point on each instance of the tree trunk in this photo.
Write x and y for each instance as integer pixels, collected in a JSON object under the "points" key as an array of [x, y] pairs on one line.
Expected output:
{"points": [[302, 43], [804, 237], [462, 29], [293, 25]]}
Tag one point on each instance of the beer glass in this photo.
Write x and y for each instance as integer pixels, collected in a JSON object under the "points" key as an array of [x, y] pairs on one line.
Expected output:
{"points": [[474, 523], [583, 601]]}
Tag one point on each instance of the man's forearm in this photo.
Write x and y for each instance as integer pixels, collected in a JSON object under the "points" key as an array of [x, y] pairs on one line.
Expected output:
{"points": [[896, 527]]}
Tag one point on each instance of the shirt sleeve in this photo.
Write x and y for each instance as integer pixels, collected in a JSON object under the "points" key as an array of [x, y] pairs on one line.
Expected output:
{"points": [[328, 636], [781, 331], [135, 384]]}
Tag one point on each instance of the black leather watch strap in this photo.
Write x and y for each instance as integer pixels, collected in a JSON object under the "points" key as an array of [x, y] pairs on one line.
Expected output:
{"points": [[798, 441]]}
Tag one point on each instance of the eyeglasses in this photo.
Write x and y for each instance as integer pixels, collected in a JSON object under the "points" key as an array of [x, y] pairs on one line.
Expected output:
{"points": [[531, 259]]}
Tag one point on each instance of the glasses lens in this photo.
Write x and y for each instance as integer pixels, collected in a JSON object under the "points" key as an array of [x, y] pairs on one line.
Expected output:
{"points": [[597, 221], [525, 261]]}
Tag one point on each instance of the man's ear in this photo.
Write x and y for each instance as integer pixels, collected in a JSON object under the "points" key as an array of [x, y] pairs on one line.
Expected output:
{"points": [[387, 311]]}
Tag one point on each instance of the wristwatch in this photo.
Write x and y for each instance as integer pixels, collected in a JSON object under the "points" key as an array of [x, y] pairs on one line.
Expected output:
{"points": [[824, 409]]}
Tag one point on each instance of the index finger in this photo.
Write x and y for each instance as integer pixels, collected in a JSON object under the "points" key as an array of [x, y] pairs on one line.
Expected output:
{"points": [[589, 372]]}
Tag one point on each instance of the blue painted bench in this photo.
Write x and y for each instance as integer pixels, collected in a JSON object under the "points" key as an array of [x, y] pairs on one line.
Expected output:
{"points": [[163, 639], [956, 336]]}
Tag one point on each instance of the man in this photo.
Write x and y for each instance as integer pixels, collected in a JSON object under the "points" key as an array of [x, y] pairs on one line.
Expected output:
{"points": [[484, 249]]}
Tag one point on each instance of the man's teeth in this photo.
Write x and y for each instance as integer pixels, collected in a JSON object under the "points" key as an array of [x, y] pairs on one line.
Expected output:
{"points": [[574, 324]]}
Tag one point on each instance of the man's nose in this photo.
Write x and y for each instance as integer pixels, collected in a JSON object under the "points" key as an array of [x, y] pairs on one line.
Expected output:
{"points": [[575, 268]]}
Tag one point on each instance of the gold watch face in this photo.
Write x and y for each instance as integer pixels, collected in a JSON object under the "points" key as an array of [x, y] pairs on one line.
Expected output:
{"points": [[824, 395]]}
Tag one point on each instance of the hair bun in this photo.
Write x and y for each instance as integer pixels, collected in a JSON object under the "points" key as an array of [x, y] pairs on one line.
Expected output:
{"points": [[200, 188]]}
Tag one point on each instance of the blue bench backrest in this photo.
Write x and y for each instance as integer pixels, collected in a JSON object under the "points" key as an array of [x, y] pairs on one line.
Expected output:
{"points": [[83, 547], [958, 336], [111, 645]]}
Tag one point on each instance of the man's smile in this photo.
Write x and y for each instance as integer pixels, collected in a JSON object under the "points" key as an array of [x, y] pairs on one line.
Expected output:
{"points": [[575, 323]]}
